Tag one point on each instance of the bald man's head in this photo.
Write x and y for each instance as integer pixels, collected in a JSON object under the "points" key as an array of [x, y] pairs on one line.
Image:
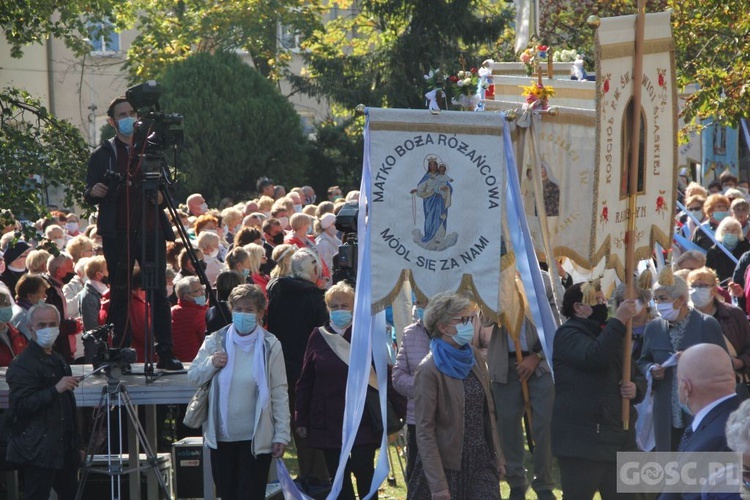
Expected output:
{"points": [[704, 374]]}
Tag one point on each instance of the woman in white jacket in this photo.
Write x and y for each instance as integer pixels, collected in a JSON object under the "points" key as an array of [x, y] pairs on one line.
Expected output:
{"points": [[248, 416]]}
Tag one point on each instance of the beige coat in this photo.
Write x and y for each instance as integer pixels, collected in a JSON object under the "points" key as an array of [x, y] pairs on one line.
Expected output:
{"points": [[439, 414], [272, 423]]}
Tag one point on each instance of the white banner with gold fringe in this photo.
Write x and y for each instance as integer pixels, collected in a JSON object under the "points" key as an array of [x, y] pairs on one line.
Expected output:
{"points": [[657, 173], [438, 183]]}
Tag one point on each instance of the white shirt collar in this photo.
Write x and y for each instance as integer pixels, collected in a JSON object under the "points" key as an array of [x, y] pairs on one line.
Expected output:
{"points": [[701, 414], [98, 286]]}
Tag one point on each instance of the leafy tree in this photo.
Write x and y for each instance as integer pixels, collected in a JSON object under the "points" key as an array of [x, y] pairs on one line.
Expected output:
{"points": [[37, 151], [171, 31], [237, 126], [379, 55], [27, 22], [712, 40], [335, 155]]}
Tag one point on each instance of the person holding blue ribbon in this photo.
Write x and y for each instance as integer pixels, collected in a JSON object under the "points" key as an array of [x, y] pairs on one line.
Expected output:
{"points": [[459, 450]]}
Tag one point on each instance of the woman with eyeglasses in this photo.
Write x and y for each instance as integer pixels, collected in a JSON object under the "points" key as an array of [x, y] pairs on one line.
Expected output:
{"points": [[587, 430], [459, 453], [679, 326], [703, 287]]}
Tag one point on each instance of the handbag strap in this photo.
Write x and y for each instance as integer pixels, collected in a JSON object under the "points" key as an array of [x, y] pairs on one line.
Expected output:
{"points": [[342, 349]]}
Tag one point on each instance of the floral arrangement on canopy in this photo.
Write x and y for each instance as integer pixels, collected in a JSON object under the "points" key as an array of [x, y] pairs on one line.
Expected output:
{"points": [[533, 56]]}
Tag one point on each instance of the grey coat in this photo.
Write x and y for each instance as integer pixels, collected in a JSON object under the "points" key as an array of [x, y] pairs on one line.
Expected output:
{"points": [[657, 347]]}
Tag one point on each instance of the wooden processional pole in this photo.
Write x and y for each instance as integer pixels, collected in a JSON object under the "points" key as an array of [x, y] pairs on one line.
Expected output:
{"points": [[635, 144]]}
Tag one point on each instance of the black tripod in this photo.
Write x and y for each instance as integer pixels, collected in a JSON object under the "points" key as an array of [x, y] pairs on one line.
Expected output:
{"points": [[115, 393]]}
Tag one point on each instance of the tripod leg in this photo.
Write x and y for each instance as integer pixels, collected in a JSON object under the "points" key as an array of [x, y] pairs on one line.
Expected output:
{"points": [[151, 457], [96, 427]]}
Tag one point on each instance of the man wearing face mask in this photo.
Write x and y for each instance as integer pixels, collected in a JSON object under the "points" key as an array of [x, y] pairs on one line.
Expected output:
{"points": [[273, 235], [59, 272], [120, 224], [679, 326], [41, 392], [587, 429]]}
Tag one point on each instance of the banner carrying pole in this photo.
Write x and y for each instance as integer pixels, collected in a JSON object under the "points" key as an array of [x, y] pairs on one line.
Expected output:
{"points": [[635, 146]]}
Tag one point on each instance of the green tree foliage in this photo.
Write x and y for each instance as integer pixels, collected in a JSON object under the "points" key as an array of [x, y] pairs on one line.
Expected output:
{"points": [[336, 155], [32, 21], [379, 55], [171, 31], [712, 40], [237, 127], [37, 151]]}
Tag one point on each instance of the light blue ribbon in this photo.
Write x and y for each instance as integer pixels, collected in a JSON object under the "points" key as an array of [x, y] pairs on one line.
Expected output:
{"points": [[366, 328], [526, 261], [747, 134], [707, 231], [686, 244]]}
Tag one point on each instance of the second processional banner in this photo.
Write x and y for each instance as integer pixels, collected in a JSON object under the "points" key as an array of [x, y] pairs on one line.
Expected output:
{"points": [[438, 185], [656, 167]]}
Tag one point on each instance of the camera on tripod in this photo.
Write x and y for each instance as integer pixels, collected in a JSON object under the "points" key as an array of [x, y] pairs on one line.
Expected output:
{"points": [[154, 132], [345, 262], [97, 352]]}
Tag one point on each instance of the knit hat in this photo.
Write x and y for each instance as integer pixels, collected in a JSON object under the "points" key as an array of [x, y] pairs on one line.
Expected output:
{"points": [[15, 251]]}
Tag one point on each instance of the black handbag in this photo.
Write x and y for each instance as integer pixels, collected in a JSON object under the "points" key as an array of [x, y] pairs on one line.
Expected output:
{"points": [[372, 408]]}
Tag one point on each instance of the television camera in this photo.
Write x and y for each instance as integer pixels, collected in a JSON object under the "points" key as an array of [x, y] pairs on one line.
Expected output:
{"points": [[113, 361], [155, 131], [345, 262]]}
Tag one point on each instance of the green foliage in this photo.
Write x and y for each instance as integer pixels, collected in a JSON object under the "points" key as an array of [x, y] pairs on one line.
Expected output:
{"points": [[27, 22], [37, 151], [378, 57], [335, 156], [171, 31], [237, 127]]}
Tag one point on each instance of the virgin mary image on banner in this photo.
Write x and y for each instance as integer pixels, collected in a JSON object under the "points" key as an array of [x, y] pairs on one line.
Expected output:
{"points": [[436, 191]]}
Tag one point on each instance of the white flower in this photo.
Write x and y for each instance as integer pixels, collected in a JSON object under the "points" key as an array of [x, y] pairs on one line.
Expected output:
{"points": [[460, 83], [467, 81]]}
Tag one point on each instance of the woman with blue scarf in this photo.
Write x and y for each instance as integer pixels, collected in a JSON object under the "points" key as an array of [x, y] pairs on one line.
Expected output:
{"points": [[459, 451]]}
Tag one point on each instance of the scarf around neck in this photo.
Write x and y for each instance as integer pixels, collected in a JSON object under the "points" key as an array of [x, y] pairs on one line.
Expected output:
{"points": [[452, 361], [254, 341]]}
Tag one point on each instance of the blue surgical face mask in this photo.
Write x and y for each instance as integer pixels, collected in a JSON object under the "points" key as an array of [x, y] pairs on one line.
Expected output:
{"points": [[698, 214], [464, 333], [201, 300], [246, 272], [5, 314], [419, 311], [341, 318], [731, 240], [126, 125], [244, 322], [719, 216]]}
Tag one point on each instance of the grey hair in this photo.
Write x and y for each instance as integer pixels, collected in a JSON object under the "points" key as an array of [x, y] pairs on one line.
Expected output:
{"points": [[729, 223], [184, 285], [40, 307], [250, 292], [738, 429], [689, 255], [677, 290], [303, 262], [441, 309]]}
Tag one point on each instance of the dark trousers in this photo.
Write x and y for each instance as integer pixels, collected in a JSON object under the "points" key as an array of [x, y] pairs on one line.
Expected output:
{"points": [[361, 463], [120, 267], [411, 449], [39, 481], [310, 461], [239, 475], [580, 479]]}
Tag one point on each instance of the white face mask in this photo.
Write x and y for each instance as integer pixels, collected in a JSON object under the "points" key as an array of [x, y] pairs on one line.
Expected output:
{"points": [[284, 221], [60, 242], [213, 253], [46, 337], [203, 208], [72, 227], [701, 297], [667, 311]]}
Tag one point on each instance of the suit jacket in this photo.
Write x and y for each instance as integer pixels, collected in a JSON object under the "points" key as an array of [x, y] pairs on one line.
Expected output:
{"points": [[657, 347], [708, 437]]}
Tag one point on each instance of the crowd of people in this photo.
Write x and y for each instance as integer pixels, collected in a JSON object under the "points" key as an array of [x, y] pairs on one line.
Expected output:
{"points": [[249, 300]]}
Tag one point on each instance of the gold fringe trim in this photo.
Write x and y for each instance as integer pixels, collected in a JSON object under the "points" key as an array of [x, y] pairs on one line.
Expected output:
{"points": [[444, 128], [627, 49]]}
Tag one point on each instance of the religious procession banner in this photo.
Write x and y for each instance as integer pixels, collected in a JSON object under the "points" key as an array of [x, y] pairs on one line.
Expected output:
{"points": [[438, 183], [720, 151], [564, 157], [658, 145]]}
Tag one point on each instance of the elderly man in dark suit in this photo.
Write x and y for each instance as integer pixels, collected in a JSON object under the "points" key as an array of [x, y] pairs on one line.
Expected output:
{"points": [[706, 386]]}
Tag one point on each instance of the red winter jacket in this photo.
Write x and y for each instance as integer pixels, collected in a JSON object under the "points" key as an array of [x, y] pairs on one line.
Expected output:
{"points": [[17, 344], [188, 329]]}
